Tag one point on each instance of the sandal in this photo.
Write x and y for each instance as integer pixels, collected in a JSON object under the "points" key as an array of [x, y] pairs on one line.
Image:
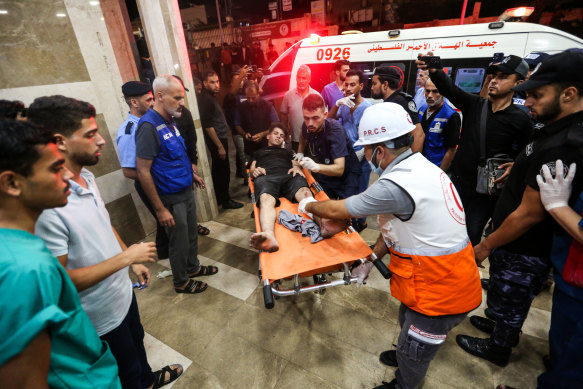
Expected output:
{"points": [[193, 287], [161, 380], [204, 271], [202, 230]]}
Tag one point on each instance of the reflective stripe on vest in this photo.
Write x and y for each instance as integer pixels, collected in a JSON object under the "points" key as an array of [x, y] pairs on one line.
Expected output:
{"points": [[434, 147], [171, 169]]}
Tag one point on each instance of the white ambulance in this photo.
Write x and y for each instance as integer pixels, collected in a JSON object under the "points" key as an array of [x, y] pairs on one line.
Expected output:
{"points": [[465, 51]]}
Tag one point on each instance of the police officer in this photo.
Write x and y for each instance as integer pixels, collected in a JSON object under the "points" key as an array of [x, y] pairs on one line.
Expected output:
{"points": [[422, 226], [386, 85], [519, 247]]}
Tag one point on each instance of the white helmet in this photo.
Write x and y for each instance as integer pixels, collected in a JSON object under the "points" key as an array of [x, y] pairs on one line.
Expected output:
{"points": [[383, 122]]}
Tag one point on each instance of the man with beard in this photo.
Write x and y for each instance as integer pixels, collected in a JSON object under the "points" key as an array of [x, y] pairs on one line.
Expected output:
{"points": [[81, 236], [332, 92], [441, 125], [520, 245], [166, 175], [386, 85], [291, 107], [256, 115], [349, 110], [42, 321], [335, 163], [507, 130]]}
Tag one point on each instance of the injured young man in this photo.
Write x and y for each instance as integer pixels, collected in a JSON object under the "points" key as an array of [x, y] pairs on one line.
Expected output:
{"points": [[276, 174]]}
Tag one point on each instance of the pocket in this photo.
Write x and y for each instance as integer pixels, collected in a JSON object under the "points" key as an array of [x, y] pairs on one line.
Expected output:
{"points": [[402, 281]]}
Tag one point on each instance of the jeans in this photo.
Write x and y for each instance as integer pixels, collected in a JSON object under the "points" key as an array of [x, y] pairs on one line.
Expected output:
{"points": [[127, 346]]}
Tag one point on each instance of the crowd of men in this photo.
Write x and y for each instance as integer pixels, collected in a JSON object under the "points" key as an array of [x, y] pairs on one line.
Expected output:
{"points": [[73, 319]]}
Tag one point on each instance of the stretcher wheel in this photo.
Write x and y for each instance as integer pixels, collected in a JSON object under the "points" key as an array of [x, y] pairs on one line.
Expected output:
{"points": [[268, 296]]}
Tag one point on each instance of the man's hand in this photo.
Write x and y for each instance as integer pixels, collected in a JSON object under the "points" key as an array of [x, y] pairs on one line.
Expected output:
{"points": [[143, 274], [222, 152], [507, 167], [257, 137], [198, 181], [555, 191], [258, 171], [308, 163], [362, 271], [165, 218], [421, 64], [348, 101], [304, 202], [296, 170], [141, 253], [248, 136], [481, 252]]}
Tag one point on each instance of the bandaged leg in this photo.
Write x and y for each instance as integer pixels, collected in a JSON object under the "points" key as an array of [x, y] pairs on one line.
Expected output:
{"points": [[265, 240], [328, 227]]}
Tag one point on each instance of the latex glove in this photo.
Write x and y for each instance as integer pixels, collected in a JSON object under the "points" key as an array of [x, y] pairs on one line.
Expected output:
{"points": [[303, 203], [360, 154], [298, 156], [361, 271], [348, 101], [308, 163], [555, 192]]}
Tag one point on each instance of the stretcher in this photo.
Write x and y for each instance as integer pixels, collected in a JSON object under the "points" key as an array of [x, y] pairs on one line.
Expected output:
{"points": [[297, 257]]}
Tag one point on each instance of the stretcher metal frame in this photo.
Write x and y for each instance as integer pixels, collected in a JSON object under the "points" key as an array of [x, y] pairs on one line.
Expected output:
{"points": [[271, 287]]}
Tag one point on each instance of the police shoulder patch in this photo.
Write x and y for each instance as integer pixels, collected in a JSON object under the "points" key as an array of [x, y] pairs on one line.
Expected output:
{"points": [[412, 106]]}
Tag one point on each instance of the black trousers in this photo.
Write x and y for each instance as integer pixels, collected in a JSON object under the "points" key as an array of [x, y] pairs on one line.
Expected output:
{"points": [[220, 171], [127, 346], [161, 237]]}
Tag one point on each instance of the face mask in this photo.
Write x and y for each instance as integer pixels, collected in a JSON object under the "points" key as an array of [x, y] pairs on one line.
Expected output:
{"points": [[377, 169]]}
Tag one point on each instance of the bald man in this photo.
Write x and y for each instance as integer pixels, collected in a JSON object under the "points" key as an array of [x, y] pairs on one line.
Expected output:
{"points": [[166, 175]]}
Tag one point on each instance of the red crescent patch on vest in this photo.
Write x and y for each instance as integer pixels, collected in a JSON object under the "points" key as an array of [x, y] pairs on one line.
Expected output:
{"points": [[452, 202]]}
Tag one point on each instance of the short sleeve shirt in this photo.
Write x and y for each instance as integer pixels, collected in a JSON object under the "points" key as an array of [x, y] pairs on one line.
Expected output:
{"points": [[38, 294], [211, 114], [82, 230], [331, 93], [292, 106], [126, 141]]}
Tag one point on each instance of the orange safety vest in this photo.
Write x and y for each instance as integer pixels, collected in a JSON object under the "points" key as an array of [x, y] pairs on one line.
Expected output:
{"points": [[433, 264]]}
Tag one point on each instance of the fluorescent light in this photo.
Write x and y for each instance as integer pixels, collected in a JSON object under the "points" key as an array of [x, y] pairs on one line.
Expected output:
{"points": [[61, 15], [3, 12], [94, 3]]}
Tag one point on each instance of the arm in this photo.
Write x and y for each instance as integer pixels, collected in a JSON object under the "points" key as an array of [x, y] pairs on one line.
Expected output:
{"points": [[418, 138], [529, 213], [448, 158], [484, 90], [30, 368], [332, 209], [302, 144], [447, 88], [570, 221], [129, 173], [139, 270], [256, 171], [240, 131], [333, 112], [165, 218]]}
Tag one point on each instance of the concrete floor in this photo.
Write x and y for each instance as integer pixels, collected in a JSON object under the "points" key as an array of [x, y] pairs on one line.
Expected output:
{"points": [[225, 338]]}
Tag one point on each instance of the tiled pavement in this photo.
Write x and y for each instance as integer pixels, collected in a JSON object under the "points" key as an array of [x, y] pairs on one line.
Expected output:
{"points": [[228, 339]]}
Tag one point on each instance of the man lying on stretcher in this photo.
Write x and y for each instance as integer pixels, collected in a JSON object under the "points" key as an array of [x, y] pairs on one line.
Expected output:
{"points": [[276, 174]]}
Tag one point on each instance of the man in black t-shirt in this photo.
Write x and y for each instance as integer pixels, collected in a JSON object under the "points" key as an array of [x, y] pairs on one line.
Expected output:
{"points": [[276, 174], [386, 84]]}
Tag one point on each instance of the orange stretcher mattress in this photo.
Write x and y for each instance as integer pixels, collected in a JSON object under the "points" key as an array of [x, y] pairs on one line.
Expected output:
{"points": [[296, 255]]}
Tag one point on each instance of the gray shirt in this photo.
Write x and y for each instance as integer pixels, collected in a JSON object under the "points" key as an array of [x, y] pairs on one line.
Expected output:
{"points": [[383, 197]]}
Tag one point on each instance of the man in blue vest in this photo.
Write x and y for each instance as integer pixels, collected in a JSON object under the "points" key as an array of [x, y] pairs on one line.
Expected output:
{"points": [[441, 125], [166, 175]]}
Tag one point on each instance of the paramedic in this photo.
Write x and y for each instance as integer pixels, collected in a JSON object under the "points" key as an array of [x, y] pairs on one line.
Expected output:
{"points": [[422, 225]]}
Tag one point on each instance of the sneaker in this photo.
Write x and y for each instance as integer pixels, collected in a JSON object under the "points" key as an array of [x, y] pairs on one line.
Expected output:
{"points": [[230, 204], [389, 358]]}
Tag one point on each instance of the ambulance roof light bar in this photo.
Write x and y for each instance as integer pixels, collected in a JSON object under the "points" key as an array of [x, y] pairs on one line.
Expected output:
{"points": [[516, 14]]}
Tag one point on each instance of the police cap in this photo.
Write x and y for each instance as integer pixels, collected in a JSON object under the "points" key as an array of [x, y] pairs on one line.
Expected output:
{"points": [[563, 67], [387, 71], [135, 88]]}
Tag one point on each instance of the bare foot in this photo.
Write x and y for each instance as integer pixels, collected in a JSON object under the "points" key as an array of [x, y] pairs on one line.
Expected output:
{"points": [[330, 227], [264, 241]]}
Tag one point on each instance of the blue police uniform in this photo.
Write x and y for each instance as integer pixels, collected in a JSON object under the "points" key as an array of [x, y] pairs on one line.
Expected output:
{"points": [[126, 141], [434, 148]]}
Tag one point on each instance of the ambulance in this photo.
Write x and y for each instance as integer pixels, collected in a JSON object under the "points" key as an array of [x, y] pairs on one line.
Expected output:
{"points": [[465, 51]]}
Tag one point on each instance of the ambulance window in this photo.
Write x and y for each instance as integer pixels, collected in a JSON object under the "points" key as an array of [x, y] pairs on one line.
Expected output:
{"points": [[276, 84], [285, 63], [322, 74], [470, 79]]}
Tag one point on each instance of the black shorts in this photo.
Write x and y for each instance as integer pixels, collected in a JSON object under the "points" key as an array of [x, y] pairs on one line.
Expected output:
{"points": [[279, 185]]}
